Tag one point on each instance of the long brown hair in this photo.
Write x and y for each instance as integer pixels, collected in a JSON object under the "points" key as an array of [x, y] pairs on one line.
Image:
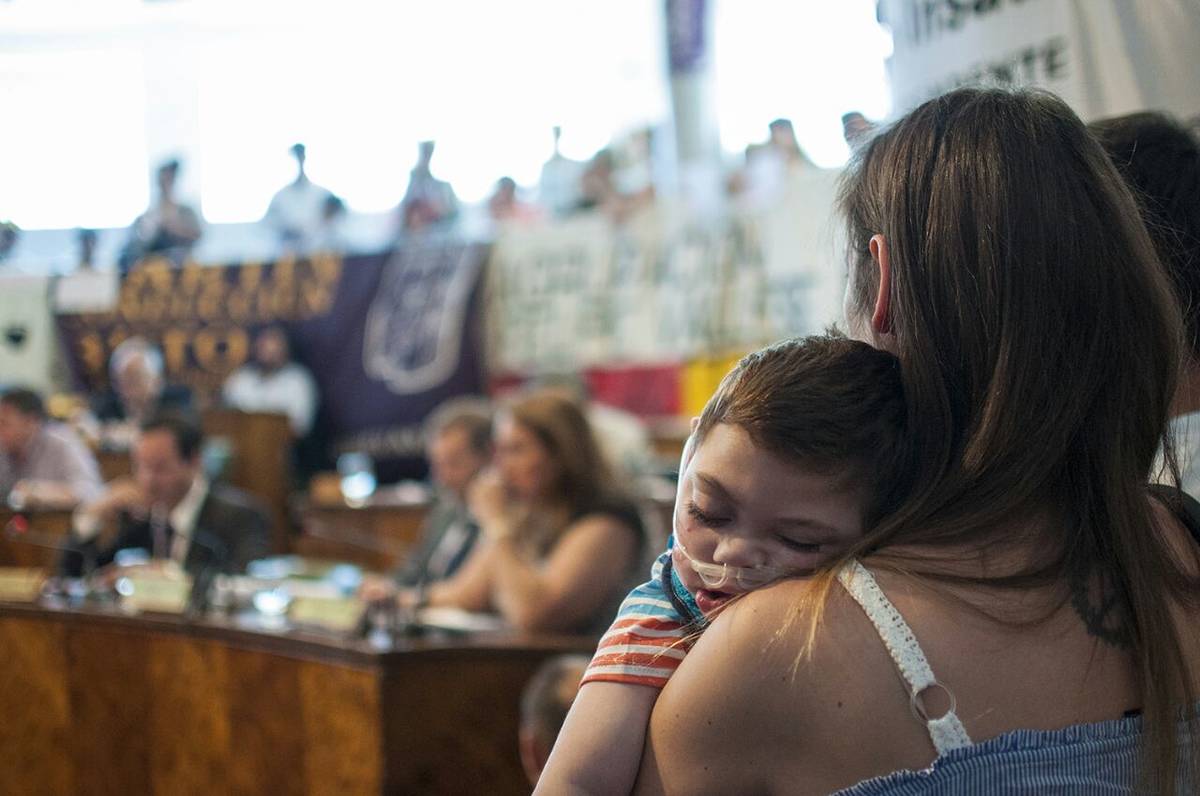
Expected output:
{"points": [[585, 481], [1039, 344]]}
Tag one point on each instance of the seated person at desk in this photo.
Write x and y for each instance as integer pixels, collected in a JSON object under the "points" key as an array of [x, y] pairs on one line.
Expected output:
{"points": [[170, 509], [274, 383], [138, 392], [459, 446], [558, 540], [42, 464]]}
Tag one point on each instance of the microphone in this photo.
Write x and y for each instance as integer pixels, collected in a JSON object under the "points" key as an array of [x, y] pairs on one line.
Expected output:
{"points": [[198, 600], [210, 567]]}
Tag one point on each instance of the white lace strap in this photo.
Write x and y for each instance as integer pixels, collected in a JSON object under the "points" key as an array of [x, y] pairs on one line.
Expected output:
{"points": [[947, 732]]}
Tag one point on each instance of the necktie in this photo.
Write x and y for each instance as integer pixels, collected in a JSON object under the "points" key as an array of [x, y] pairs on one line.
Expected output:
{"points": [[162, 534]]}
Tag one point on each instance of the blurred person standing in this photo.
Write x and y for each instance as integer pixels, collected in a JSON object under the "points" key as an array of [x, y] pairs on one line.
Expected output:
{"points": [[597, 184], [558, 185], [42, 463], [297, 210], [167, 228], [274, 382], [330, 233], [427, 201], [855, 129], [86, 240], [771, 166], [634, 177], [505, 207], [10, 233]]}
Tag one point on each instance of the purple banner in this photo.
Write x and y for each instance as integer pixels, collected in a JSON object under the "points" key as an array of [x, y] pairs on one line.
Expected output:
{"points": [[387, 337]]}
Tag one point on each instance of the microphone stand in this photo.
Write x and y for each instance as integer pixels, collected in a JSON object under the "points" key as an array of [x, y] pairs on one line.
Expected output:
{"points": [[17, 530], [198, 600]]}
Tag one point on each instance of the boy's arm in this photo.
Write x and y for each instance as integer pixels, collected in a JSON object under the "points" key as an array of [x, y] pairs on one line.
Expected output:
{"points": [[599, 748]]}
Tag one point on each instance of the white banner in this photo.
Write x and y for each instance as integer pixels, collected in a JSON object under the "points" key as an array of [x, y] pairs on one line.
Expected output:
{"points": [[582, 293], [1104, 57], [28, 342]]}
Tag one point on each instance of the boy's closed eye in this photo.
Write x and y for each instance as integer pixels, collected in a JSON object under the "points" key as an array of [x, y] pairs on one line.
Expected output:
{"points": [[800, 546], [705, 518]]}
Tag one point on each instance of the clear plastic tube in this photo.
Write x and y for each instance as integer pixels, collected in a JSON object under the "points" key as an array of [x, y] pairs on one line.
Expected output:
{"points": [[719, 577]]}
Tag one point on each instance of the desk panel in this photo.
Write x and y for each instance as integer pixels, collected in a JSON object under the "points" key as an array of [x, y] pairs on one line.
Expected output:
{"points": [[100, 702], [47, 527]]}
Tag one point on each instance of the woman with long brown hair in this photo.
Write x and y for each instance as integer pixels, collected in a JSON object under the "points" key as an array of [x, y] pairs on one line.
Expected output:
{"points": [[559, 540], [1025, 622]]}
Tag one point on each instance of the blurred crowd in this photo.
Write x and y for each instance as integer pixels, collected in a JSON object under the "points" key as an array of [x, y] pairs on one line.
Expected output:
{"points": [[305, 217]]}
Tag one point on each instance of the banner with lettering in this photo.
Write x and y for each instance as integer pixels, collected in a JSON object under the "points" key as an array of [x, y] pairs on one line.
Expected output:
{"points": [[388, 336], [584, 294], [1104, 57]]}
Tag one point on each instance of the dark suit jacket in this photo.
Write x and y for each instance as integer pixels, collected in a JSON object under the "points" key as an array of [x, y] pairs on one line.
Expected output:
{"points": [[419, 570], [107, 405], [232, 529]]}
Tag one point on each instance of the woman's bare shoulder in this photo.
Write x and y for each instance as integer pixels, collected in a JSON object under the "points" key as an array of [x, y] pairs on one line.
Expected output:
{"points": [[748, 693]]}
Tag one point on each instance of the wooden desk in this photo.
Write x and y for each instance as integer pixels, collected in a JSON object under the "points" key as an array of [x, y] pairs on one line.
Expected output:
{"points": [[104, 703], [377, 537], [50, 525]]}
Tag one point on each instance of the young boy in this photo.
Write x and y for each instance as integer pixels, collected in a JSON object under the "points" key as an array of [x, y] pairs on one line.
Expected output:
{"points": [[796, 454]]}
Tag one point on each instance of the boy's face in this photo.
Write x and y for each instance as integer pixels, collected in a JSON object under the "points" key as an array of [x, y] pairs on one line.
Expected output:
{"points": [[743, 506]]}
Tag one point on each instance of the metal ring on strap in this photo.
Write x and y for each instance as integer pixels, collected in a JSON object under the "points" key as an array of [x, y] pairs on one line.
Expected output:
{"points": [[918, 708]]}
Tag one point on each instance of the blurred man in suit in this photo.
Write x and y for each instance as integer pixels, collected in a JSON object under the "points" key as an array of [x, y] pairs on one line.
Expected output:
{"points": [[170, 509], [459, 446]]}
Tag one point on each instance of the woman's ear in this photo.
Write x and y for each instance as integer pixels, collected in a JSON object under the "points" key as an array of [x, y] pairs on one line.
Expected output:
{"points": [[881, 318]]}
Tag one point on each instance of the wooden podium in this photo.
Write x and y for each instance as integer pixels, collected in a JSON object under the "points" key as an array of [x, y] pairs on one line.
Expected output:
{"points": [[98, 702], [260, 445]]}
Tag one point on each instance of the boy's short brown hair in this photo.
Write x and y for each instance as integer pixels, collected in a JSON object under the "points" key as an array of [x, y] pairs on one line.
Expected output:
{"points": [[826, 403]]}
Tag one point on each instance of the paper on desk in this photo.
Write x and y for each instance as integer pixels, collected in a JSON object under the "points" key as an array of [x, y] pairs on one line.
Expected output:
{"points": [[160, 593], [457, 619], [20, 584], [340, 614]]}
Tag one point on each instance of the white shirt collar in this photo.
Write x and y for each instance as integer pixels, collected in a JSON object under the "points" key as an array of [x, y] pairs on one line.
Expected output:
{"points": [[183, 516]]}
